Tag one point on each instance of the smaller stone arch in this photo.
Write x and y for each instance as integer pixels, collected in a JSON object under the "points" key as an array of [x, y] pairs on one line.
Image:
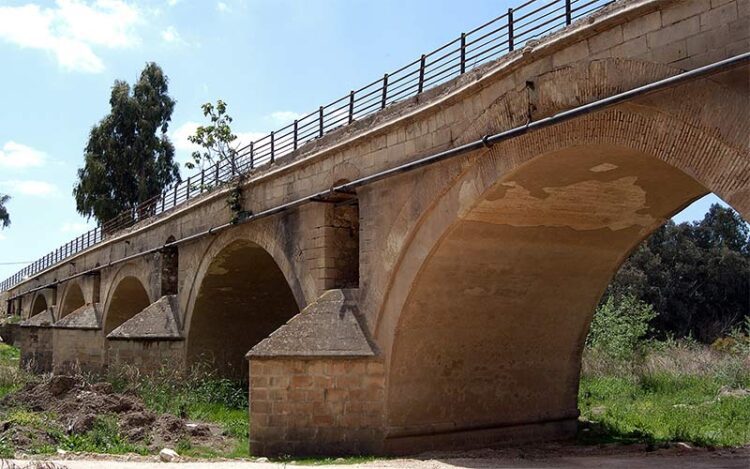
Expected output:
{"points": [[72, 299], [38, 305], [241, 293], [127, 295]]}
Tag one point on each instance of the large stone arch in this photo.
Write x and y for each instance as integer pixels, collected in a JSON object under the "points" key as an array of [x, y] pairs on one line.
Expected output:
{"points": [[244, 288], [72, 298], [127, 295], [485, 314]]}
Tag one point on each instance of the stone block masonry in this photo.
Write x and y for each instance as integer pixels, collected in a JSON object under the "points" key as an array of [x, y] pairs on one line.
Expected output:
{"points": [[319, 406]]}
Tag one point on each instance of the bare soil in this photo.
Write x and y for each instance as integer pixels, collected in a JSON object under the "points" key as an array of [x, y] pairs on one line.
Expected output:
{"points": [[545, 456], [73, 405]]}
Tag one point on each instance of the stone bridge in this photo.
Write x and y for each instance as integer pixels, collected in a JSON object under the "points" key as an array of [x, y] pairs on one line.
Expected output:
{"points": [[436, 308]]}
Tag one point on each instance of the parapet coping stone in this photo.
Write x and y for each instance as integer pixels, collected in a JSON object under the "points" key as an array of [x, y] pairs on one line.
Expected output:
{"points": [[158, 321], [330, 326], [44, 319], [86, 317]]}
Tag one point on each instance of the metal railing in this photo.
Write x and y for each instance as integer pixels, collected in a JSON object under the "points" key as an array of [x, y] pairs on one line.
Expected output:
{"points": [[491, 40]]}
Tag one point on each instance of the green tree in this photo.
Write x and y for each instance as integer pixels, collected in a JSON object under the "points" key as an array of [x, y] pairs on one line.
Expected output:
{"points": [[695, 275], [128, 157], [217, 145], [4, 215], [619, 325], [215, 139]]}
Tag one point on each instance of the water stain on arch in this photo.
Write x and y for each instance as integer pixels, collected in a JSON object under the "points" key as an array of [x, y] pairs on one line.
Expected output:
{"points": [[504, 298]]}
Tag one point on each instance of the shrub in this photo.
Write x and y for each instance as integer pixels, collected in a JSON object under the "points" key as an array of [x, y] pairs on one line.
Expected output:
{"points": [[619, 327]]}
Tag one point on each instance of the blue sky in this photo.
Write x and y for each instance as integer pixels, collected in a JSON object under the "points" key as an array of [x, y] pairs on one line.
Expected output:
{"points": [[271, 60]]}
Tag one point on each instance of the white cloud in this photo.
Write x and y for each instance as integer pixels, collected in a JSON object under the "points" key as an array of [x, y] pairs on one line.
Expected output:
{"points": [[17, 156], [72, 29], [2, 237], [171, 35], [172, 2], [75, 227], [284, 117], [244, 138], [222, 7], [28, 187], [180, 136]]}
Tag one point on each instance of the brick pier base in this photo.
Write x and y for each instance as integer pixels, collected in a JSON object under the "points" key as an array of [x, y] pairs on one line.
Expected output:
{"points": [[326, 406]]}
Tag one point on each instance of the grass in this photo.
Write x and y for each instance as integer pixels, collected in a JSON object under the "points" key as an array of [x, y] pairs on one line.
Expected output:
{"points": [[198, 396], [663, 392], [11, 376], [104, 437], [676, 393]]}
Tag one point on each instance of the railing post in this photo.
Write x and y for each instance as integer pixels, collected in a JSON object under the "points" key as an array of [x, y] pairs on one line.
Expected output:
{"points": [[422, 62], [272, 147], [351, 106], [252, 155], [163, 200], [187, 192], [510, 29], [568, 13], [295, 134], [320, 119], [231, 164], [216, 173], [385, 91], [463, 53], [203, 179], [174, 199]]}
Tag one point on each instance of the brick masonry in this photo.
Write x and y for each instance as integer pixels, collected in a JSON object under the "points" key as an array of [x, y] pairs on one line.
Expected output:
{"points": [[148, 356], [77, 349], [316, 406]]}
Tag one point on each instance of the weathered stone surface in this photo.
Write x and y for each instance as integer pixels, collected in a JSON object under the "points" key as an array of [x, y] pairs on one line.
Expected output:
{"points": [[330, 326], [85, 317], [44, 319], [160, 320]]}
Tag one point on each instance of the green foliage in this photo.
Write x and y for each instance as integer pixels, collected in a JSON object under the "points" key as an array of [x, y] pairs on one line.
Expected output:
{"points": [[128, 157], [619, 325], [200, 395], [9, 355], [4, 215], [694, 274], [662, 408], [104, 437], [11, 376], [215, 140], [7, 450]]}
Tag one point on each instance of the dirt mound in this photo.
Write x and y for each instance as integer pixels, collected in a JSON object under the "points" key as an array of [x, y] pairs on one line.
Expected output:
{"points": [[71, 406]]}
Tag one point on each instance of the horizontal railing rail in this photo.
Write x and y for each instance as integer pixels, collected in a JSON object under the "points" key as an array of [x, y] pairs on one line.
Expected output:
{"points": [[491, 40]]}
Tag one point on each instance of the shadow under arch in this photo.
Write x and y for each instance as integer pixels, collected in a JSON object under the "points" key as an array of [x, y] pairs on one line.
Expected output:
{"points": [[128, 298], [39, 305], [242, 297], [486, 314], [72, 299]]}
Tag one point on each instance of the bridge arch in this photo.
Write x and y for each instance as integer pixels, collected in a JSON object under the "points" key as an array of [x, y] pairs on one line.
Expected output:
{"points": [[244, 289], [72, 299], [38, 305], [486, 313], [127, 296]]}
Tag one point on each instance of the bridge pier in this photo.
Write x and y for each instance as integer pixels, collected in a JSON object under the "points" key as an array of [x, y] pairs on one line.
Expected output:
{"points": [[77, 341], [35, 342], [317, 385]]}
